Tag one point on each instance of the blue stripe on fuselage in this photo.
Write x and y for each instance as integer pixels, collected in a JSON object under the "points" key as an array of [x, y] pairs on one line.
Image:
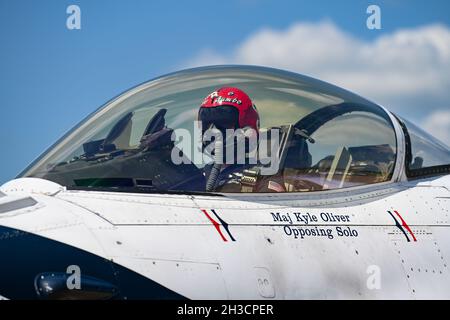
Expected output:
{"points": [[24, 255]]}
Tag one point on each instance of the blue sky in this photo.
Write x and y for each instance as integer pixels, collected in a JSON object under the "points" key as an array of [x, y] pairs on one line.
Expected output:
{"points": [[52, 77]]}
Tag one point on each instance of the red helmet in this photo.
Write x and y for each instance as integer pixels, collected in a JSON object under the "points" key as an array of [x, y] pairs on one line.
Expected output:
{"points": [[219, 103]]}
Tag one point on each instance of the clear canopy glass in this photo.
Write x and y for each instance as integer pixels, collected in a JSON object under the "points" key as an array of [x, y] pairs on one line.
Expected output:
{"points": [[426, 150], [315, 136]]}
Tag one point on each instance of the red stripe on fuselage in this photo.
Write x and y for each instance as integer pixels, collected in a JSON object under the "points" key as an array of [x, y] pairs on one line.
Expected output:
{"points": [[405, 225], [216, 224]]}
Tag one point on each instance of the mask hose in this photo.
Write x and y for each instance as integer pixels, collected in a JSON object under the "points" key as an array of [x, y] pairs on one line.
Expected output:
{"points": [[215, 171]]}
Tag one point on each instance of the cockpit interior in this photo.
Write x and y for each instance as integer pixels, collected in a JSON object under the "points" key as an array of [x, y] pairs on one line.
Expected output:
{"points": [[321, 136]]}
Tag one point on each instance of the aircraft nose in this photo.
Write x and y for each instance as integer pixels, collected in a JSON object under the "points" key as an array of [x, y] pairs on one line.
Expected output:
{"points": [[16, 267], [15, 246], [36, 267]]}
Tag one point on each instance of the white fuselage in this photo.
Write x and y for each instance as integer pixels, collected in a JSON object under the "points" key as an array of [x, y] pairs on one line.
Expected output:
{"points": [[383, 242]]}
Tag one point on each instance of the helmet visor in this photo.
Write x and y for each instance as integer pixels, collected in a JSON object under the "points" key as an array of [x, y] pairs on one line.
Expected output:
{"points": [[222, 118]]}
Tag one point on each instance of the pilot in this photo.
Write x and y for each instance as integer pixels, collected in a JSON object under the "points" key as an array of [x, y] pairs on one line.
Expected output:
{"points": [[223, 109]]}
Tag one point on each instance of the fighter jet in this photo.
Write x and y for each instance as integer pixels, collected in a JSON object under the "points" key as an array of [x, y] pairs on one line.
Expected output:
{"points": [[231, 182]]}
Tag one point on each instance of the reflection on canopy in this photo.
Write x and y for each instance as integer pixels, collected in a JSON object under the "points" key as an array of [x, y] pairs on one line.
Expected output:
{"points": [[328, 138]]}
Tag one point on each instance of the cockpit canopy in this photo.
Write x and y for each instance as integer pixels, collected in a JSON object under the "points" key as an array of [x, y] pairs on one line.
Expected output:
{"points": [[313, 136]]}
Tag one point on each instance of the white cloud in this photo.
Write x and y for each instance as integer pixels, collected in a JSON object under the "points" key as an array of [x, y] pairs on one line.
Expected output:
{"points": [[408, 71]]}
